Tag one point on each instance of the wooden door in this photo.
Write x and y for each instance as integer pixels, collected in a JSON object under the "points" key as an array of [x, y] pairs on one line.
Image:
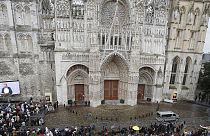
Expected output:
{"points": [[111, 90], [140, 95], [79, 92]]}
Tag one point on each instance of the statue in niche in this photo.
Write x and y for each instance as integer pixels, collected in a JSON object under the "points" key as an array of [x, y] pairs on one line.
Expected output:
{"points": [[190, 17], [48, 6], [45, 6], [176, 14], [52, 2]]}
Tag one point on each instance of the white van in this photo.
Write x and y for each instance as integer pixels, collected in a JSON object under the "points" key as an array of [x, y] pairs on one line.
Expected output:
{"points": [[166, 116]]}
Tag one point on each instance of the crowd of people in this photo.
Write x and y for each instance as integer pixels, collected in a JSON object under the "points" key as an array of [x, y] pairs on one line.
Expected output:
{"points": [[15, 117], [27, 119], [153, 130]]}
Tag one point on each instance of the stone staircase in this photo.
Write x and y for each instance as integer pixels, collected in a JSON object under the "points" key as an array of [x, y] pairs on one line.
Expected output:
{"points": [[112, 102]]}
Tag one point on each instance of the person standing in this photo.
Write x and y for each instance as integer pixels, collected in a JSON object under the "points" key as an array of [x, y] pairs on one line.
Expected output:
{"points": [[6, 89]]}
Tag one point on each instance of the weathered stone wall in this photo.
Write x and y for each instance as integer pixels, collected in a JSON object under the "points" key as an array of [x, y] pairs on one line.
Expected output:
{"points": [[188, 25]]}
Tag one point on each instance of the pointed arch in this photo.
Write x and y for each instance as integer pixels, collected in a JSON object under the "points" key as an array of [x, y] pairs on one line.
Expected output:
{"points": [[114, 76], [182, 12], [175, 68], [19, 15], [146, 75], [21, 42], [3, 14], [77, 67], [187, 69], [27, 16], [29, 43], [77, 78], [113, 55], [7, 42], [197, 13]]}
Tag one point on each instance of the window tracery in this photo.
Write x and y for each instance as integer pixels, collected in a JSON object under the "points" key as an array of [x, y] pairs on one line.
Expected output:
{"points": [[174, 70], [63, 8], [113, 9], [78, 9], [23, 15], [5, 42], [25, 43], [186, 70]]}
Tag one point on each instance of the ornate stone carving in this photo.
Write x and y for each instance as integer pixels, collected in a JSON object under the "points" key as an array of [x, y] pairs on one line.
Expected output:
{"points": [[47, 6]]}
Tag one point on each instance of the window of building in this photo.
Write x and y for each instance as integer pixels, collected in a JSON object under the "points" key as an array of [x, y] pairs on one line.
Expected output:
{"points": [[5, 42], [174, 70], [186, 70]]}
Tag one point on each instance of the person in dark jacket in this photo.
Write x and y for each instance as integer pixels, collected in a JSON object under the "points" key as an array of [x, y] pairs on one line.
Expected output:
{"points": [[6, 89]]}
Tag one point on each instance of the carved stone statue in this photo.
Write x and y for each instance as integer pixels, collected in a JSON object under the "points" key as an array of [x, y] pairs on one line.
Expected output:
{"points": [[190, 18], [45, 6], [48, 6], [176, 15]]}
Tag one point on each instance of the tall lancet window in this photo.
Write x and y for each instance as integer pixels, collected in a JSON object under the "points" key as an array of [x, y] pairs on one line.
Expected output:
{"points": [[178, 38], [182, 12], [21, 43], [197, 12], [19, 16], [174, 70], [3, 15], [29, 43], [78, 9], [27, 16], [7, 42], [186, 70], [2, 43]]}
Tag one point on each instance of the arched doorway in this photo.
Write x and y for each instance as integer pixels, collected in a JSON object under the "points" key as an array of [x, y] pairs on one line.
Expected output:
{"points": [[145, 86], [78, 83], [114, 74]]}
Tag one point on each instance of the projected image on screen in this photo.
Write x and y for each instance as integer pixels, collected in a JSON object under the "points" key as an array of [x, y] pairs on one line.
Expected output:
{"points": [[9, 88]]}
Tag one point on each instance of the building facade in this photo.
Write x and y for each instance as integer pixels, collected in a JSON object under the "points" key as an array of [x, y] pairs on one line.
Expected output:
{"points": [[94, 50]]}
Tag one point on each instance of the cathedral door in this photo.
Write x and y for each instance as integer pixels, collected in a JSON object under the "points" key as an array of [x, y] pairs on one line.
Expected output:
{"points": [[79, 92], [140, 95], [111, 89]]}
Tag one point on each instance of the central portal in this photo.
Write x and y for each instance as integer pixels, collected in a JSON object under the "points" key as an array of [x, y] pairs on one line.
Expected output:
{"points": [[111, 90], [79, 92]]}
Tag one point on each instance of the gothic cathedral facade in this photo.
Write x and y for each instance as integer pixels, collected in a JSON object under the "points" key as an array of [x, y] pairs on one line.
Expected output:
{"points": [[94, 50]]}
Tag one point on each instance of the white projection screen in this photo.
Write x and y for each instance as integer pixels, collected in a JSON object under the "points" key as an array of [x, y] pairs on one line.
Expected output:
{"points": [[9, 88]]}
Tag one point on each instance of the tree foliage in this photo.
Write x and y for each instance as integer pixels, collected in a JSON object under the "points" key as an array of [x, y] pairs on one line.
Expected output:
{"points": [[204, 78]]}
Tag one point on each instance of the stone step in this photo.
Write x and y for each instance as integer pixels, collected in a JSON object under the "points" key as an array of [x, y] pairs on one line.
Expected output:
{"points": [[112, 102]]}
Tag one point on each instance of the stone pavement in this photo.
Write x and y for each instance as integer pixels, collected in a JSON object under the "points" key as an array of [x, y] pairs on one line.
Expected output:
{"points": [[107, 115]]}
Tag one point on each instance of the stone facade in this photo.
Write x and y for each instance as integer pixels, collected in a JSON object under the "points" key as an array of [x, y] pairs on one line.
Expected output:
{"points": [[91, 50]]}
